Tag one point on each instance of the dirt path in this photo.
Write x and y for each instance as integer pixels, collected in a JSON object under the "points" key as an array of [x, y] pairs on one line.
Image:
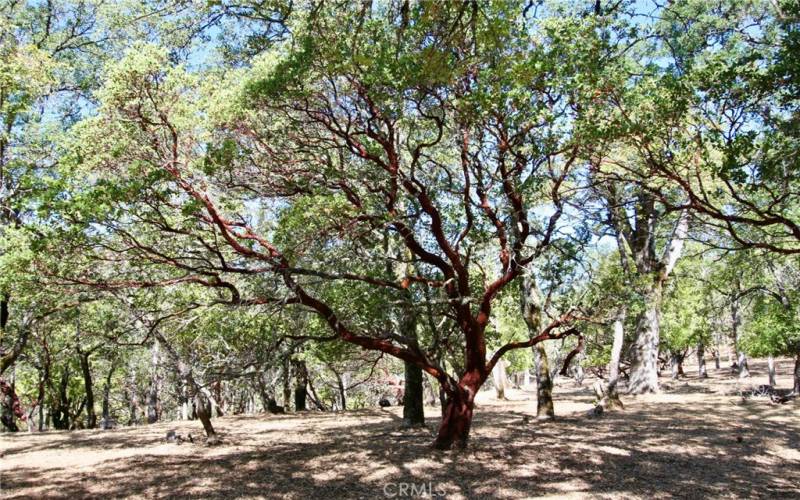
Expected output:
{"points": [[698, 439]]}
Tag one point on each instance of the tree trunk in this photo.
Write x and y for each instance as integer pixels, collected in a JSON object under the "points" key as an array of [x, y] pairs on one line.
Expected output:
{"points": [[263, 394], [413, 392], [741, 362], [431, 398], [4, 311], [203, 406], [578, 372], [413, 408], [500, 379], [61, 410], [611, 399], [287, 384], [8, 358], [701, 361], [399, 265], [744, 370], [107, 397], [44, 375], [456, 420], [183, 401], [644, 353], [134, 399], [217, 401], [300, 383], [91, 416], [342, 392], [152, 391], [9, 406], [796, 385], [544, 384], [771, 370], [531, 304], [201, 402], [676, 365]]}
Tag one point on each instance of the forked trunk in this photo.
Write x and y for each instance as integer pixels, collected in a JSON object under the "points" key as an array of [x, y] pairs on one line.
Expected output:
{"points": [[644, 353], [456, 420]]}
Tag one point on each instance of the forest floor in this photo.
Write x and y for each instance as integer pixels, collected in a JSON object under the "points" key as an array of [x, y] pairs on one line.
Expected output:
{"points": [[697, 439]]}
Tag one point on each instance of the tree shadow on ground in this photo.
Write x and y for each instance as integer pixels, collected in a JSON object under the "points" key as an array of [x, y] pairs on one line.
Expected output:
{"points": [[713, 448], [693, 442]]}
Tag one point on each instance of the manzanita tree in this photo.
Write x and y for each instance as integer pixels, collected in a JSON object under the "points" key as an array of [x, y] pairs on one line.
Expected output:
{"points": [[451, 130]]}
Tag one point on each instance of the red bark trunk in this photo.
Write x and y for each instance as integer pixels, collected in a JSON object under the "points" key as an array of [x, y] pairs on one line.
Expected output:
{"points": [[456, 420]]}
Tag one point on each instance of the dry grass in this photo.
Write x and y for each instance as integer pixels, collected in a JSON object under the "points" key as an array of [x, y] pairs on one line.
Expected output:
{"points": [[697, 439]]}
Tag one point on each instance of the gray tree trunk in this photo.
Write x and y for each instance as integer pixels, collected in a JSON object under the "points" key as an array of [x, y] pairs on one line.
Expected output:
{"points": [[611, 396], [500, 379], [796, 385], [532, 309], [413, 408], [544, 384], [287, 384], [203, 406], [342, 391], [701, 361], [676, 365], [771, 370], [578, 372], [201, 400], [86, 370], [398, 267], [152, 392], [134, 399], [301, 381], [644, 353], [413, 393], [107, 424], [184, 402], [744, 370]]}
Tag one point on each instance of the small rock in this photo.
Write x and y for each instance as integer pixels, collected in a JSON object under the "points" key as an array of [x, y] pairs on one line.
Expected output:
{"points": [[597, 411]]}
